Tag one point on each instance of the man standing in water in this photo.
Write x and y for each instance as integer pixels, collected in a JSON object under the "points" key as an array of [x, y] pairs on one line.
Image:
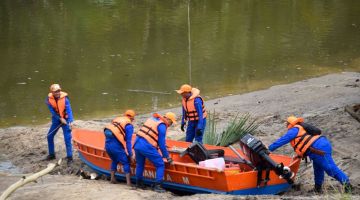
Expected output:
{"points": [[151, 137], [60, 109], [193, 111], [118, 143]]}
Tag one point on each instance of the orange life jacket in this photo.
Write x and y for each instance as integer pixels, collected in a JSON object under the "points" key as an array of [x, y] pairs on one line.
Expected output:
{"points": [[149, 131], [189, 106], [58, 104], [117, 127], [302, 141]]}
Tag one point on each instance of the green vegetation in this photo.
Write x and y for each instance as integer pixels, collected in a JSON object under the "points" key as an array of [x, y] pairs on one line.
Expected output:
{"points": [[332, 191], [235, 129]]}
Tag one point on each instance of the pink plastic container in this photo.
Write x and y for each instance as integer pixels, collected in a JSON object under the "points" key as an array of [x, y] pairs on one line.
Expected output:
{"points": [[218, 163]]}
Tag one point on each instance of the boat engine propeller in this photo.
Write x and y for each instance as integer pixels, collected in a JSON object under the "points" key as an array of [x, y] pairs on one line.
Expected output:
{"points": [[258, 155]]}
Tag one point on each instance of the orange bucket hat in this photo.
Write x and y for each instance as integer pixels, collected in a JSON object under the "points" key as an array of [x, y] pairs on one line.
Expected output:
{"points": [[292, 120], [130, 113], [171, 116], [184, 88]]}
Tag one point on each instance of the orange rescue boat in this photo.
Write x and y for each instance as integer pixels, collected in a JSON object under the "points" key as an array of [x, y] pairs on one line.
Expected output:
{"points": [[238, 177]]}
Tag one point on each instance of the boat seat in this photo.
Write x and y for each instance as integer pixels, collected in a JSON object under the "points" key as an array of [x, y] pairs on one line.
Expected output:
{"points": [[198, 152]]}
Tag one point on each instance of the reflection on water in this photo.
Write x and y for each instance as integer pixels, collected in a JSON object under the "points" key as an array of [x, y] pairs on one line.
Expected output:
{"points": [[102, 51]]}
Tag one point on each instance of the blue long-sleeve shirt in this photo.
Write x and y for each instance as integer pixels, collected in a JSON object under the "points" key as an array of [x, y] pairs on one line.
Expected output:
{"points": [[129, 130], [162, 139], [198, 103], [286, 138], [68, 110]]}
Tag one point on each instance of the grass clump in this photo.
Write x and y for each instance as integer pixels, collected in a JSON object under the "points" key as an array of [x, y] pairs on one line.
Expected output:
{"points": [[233, 132]]}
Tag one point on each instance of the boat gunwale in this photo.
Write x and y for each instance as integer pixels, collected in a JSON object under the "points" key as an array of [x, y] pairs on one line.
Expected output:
{"points": [[293, 162]]}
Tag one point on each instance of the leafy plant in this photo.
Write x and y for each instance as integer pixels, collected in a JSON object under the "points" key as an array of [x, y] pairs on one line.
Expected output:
{"points": [[233, 132], [210, 136]]}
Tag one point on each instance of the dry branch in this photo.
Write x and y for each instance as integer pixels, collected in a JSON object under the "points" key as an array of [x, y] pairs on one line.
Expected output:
{"points": [[32, 178]]}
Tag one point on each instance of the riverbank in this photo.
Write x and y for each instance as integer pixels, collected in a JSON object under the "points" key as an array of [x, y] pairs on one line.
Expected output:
{"points": [[320, 101]]}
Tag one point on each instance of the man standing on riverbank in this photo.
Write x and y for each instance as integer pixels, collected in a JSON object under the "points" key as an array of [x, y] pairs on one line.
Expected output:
{"points": [[193, 112], [150, 138], [60, 109], [310, 143], [118, 143]]}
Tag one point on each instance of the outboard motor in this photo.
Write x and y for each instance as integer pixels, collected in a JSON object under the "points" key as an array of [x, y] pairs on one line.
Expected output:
{"points": [[258, 154]]}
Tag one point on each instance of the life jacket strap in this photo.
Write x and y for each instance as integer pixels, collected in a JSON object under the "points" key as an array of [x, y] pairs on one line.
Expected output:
{"points": [[148, 133], [301, 139], [316, 151], [306, 141], [121, 129]]}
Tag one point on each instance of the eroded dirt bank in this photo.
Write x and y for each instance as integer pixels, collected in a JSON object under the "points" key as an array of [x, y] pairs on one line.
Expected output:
{"points": [[320, 101]]}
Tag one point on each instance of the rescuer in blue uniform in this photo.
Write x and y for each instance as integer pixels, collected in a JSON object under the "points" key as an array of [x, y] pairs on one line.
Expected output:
{"points": [[317, 147], [118, 144], [60, 109], [193, 112], [151, 137]]}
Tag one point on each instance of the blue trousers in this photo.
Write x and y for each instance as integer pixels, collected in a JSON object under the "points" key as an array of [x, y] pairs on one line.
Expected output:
{"points": [[325, 163], [145, 150], [116, 152], [191, 132], [55, 126]]}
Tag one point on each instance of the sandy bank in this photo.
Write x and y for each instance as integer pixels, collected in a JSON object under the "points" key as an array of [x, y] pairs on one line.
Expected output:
{"points": [[320, 100]]}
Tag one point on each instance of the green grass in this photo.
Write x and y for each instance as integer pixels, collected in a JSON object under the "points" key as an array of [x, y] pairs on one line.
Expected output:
{"points": [[335, 192], [233, 132]]}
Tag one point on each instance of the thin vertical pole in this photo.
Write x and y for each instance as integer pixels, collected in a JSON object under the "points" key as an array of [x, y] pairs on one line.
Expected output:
{"points": [[189, 42]]}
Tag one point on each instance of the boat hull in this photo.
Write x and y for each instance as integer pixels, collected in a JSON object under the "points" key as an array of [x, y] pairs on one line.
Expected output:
{"points": [[185, 175]]}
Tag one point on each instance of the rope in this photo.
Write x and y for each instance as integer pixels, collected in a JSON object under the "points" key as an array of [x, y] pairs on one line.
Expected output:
{"points": [[57, 128]]}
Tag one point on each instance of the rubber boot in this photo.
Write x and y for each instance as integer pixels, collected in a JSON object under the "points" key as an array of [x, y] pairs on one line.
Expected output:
{"points": [[49, 157], [112, 177], [317, 189], [69, 160], [348, 188], [140, 184], [158, 188]]}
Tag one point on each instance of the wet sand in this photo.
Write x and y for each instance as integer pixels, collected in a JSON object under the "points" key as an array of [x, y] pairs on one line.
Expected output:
{"points": [[320, 101]]}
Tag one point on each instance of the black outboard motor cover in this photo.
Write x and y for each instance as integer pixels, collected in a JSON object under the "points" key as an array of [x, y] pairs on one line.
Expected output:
{"points": [[253, 148], [198, 152], [258, 154]]}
